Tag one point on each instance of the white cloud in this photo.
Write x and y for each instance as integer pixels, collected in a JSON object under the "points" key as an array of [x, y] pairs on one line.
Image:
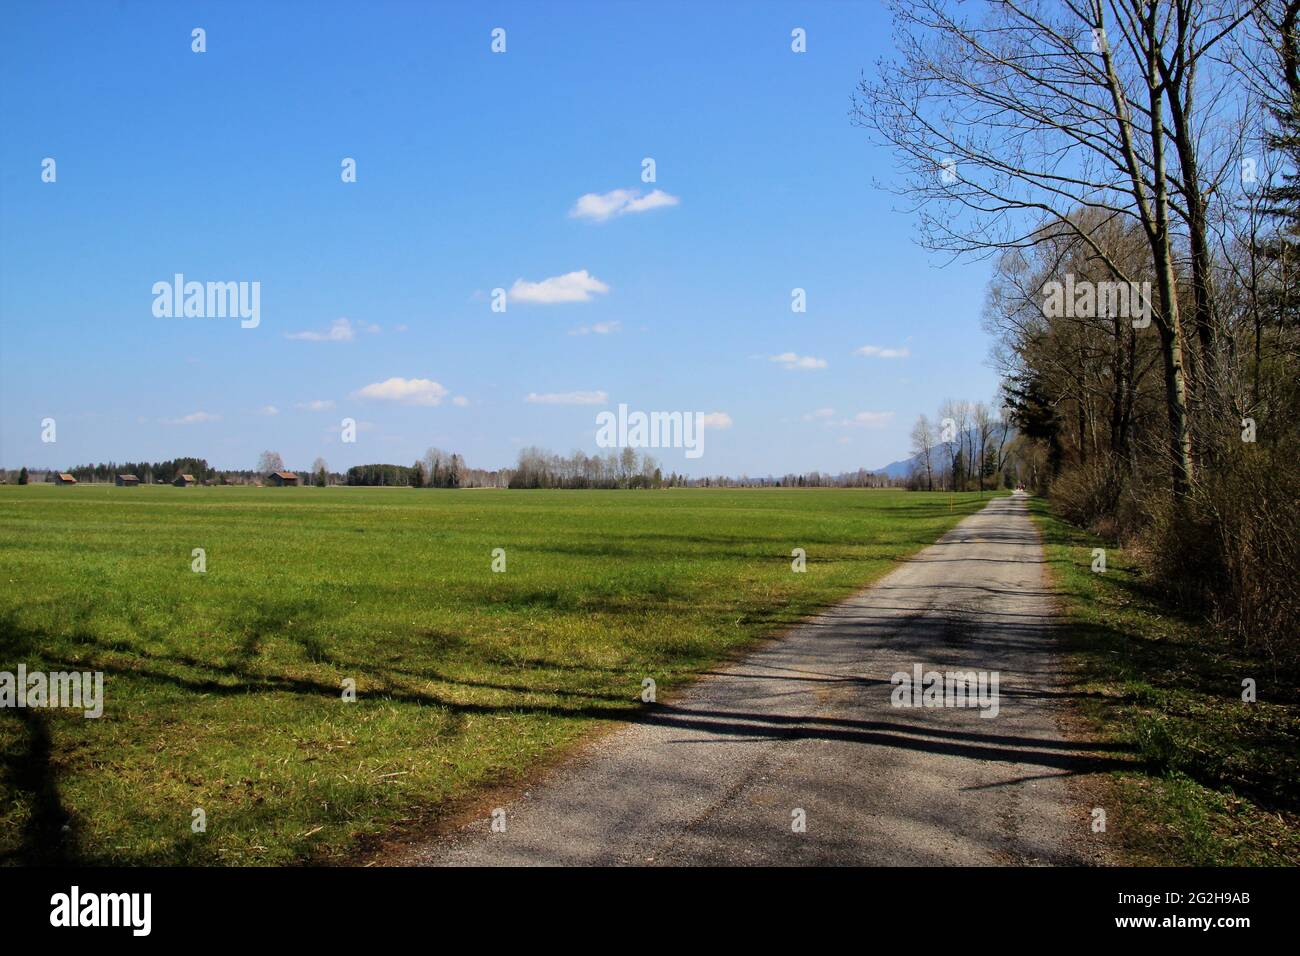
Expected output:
{"points": [[868, 420], [599, 328], [460, 401], [409, 391], [570, 287], [340, 330], [268, 410], [819, 413], [875, 351], [568, 398], [655, 199], [715, 420], [619, 202], [194, 418], [316, 405], [791, 360]]}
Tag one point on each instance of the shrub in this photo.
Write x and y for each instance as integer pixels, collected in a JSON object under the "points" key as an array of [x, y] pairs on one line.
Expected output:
{"points": [[1233, 549]]}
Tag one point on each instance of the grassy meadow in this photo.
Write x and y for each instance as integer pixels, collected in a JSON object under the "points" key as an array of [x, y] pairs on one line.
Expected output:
{"points": [[223, 690], [1215, 780]]}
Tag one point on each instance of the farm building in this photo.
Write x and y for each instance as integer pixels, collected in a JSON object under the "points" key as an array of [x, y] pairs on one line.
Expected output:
{"points": [[63, 478], [127, 481], [183, 481], [282, 478]]}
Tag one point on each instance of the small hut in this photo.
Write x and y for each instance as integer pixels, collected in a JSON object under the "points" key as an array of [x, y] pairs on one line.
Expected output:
{"points": [[183, 481], [282, 478], [63, 478], [127, 481]]}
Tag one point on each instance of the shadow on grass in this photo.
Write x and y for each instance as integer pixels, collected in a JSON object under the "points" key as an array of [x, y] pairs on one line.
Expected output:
{"points": [[31, 771], [1173, 683], [48, 837]]}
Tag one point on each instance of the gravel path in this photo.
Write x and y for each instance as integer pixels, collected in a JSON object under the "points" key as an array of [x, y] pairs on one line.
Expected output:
{"points": [[805, 728]]}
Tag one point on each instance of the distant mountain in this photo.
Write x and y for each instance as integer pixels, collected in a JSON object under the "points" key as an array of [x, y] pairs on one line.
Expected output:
{"points": [[896, 469]]}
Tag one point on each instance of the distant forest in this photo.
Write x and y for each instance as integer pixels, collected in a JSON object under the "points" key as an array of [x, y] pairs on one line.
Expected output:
{"points": [[535, 468]]}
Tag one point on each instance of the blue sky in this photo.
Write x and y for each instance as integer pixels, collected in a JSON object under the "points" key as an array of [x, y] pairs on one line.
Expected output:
{"points": [[225, 166]]}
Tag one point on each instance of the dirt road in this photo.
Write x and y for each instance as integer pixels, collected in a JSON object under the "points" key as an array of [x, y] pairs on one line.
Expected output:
{"points": [[807, 730]]}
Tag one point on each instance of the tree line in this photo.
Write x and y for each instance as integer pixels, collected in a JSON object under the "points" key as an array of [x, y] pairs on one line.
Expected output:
{"points": [[157, 472], [1130, 169], [534, 468]]}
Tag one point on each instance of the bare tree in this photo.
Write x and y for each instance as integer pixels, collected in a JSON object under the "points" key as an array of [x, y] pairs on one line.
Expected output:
{"points": [[1001, 432], [1012, 119], [269, 462], [982, 435], [627, 466], [435, 462], [923, 443]]}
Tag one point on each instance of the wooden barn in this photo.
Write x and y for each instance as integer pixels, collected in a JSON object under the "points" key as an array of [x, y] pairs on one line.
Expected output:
{"points": [[282, 478], [63, 478], [183, 481], [126, 481]]}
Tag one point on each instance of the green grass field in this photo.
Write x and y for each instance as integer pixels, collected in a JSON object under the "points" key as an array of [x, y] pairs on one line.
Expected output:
{"points": [[1216, 781], [224, 689]]}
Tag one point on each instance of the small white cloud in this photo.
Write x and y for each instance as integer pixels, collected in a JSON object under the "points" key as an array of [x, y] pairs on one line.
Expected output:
{"points": [[194, 418], [340, 330], [819, 414], [655, 199], [715, 420], [599, 328], [400, 328], [791, 360], [460, 401], [868, 420], [408, 391], [875, 351], [268, 410], [570, 287], [619, 202], [568, 398], [316, 405]]}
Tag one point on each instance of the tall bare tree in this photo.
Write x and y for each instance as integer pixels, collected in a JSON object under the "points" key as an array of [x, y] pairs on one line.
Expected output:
{"points": [[1012, 117], [923, 443]]}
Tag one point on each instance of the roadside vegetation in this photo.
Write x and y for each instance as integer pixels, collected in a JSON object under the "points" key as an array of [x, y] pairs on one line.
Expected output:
{"points": [[1131, 171], [1217, 779], [223, 689]]}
